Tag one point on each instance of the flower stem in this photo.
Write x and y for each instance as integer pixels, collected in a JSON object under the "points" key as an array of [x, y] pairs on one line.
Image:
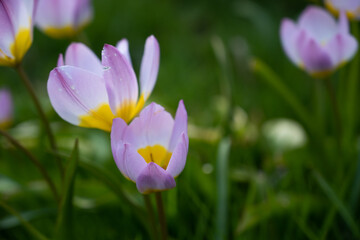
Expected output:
{"points": [[151, 215], [335, 110], [25, 79], [162, 218], [35, 161]]}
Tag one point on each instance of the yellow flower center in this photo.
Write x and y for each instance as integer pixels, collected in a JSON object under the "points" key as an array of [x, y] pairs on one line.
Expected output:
{"points": [[157, 154]]}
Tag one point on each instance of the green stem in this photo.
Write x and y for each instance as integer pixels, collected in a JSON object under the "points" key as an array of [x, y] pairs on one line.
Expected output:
{"points": [[335, 110], [222, 188], [273, 80], [351, 101], [35, 161], [26, 224], [161, 213], [151, 215], [25, 79]]}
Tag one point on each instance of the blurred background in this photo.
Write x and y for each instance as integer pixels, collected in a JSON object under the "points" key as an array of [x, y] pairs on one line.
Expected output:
{"points": [[264, 190]]}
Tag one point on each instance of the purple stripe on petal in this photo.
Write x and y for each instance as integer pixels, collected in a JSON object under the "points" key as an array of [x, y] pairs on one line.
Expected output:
{"points": [[149, 66], [178, 158], [74, 92], [153, 179]]}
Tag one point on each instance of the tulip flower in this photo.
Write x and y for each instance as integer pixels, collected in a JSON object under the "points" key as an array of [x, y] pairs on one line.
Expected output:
{"points": [[88, 93], [151, 151], [317, 43], [6, 108], [16, 30], [63, 18], [351, 7]]}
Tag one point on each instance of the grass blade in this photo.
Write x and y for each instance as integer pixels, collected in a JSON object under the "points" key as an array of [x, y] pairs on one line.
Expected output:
{"points": [[64, 221], [33, 231], [337, 203], [222, 179]]}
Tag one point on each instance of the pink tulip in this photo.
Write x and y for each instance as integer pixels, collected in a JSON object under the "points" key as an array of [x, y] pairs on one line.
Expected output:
{"points": [[6, 108], [351, 7], [16, 30], [317, 43], [63, 18], [151, 151], [88, 93]]}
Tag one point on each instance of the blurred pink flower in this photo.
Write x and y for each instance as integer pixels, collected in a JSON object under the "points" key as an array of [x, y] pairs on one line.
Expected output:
{"points": [[16, 30], [88, 93], [6, 108], [63, 18], [317, 43], [351, 7], [151, 151]]}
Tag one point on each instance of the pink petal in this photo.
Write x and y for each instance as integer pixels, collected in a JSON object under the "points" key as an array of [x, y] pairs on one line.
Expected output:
{"points": [[342, 48], [60, 61], [153, 179], [63, 13], [289, 35], [178, 158], [318, 23], [129, 161], [118, 130], [79, 55], [14, 15], [153, 126], [316, 59], [74, 92], [123, 47], [149, 66], [120, 79], [180, 126]]}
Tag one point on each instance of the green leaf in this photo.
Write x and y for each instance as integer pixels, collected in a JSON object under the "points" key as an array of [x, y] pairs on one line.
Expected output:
{"points": [[113, 183], [222, 182], [64, 222], [32, 230], [269, 76], [344, 212]]}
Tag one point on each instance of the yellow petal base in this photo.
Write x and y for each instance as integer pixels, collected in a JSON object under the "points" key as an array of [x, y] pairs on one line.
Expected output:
{"points": [[157, 154], [100, 118], [63, 32], [18, 48], [5, 124], [350, 14], [129, 110]]}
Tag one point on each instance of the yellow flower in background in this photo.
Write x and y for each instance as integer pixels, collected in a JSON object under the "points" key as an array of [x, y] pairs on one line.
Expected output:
{"points": [[63, 18], [16, 30]]}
